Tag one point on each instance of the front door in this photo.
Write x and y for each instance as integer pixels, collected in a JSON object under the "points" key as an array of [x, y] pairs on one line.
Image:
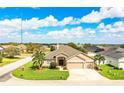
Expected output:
{"points": [[61, 62]]}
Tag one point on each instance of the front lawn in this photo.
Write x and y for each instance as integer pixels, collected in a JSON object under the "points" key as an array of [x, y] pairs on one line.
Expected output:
{"points": [[111, 73], [26, 72], [8, 60]]}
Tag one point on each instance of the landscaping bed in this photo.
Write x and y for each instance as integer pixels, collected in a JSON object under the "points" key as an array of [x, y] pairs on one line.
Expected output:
{"points": [[26, 72], [111, 73]]}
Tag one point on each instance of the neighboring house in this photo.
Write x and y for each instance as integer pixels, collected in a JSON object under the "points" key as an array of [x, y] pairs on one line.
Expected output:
{"points": [[1, 48], [72, 58], [93, 50], [7, 46], [22, 48], [114, 57]]}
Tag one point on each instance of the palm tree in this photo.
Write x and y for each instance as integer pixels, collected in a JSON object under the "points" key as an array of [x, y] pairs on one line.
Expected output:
{"points": [[38, 59], [99, 58], [103, 59]]}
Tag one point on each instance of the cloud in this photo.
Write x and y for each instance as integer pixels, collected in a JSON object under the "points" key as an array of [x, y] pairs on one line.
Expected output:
{"points": [[97, 16], [67, 33], [11, 25], [115, 27]]}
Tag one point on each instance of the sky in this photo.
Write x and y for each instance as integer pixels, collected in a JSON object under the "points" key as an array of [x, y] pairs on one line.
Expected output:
{"points": [[97, 25]]}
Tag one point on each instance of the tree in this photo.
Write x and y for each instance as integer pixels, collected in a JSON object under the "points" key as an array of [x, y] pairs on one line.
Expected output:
{"points": [[32, 47], [86, 45], [73, 45], [38, 59], [122, 45], [11, 51], [52, 48], [103, 59], [99, 58]]}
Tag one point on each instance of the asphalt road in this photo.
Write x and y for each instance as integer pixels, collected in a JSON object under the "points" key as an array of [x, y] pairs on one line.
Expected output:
{"points": [[8, 80]]}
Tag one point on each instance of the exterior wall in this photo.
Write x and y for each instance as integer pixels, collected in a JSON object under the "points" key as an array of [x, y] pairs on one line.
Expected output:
{"points": [[77, 62], [121, 63], [75, 59], [86, 58], [47, 63], [89, 65], [75, 65], [112, 61], [60, 55], [91, 54]]}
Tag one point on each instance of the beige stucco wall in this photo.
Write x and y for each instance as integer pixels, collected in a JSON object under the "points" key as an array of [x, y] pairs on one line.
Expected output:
{"points": [[75, 59], [86, 58], [60, 55], [89, 65], [46, 63], [76, 65]]}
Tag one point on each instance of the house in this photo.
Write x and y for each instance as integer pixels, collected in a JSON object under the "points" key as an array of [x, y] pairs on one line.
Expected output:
{"points": [[93, 50], [72, 58], [114, 57], [1, 48], [22, 48]]}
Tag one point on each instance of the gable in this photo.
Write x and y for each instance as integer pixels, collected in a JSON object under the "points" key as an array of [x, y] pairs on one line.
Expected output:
{"points": [[75, 59], [85, 57]]}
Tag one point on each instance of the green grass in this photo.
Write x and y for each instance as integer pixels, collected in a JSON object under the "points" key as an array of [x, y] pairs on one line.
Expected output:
{"points": [[111, 73], [8, 61], [44, 74]]}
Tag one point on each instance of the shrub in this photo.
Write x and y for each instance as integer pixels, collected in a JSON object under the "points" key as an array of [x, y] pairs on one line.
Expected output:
{"points": [[53, 65], [97, 68], [115, 68], [120, 68], [65, 68]]}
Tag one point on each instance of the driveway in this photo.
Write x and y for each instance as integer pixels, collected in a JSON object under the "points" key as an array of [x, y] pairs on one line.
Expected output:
{"points": [[85, 74]]}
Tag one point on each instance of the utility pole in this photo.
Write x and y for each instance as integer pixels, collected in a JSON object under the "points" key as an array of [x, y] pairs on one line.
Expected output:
{"points": [[21, 31]]}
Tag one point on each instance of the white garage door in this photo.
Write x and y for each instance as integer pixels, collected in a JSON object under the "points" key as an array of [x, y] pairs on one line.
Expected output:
{"points": [[75, 65]]}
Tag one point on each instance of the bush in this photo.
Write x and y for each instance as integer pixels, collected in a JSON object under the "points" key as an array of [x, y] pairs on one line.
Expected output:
{"points": [[120, 68], [97, 68], [65, 68], [115, 68], [53, 65]]}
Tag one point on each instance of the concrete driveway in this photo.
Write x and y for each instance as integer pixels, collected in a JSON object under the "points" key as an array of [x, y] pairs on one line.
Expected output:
{"points": [[85, 74]]}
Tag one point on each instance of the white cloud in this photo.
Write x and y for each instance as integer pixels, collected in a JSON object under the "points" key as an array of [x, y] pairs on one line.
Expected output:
{"points": [[97, 16], [67, 33], [115, 27]]}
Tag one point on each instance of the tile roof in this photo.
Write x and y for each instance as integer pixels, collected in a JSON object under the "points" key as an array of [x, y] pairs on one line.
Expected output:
{"points": [[67, 50], [114, 53]]}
